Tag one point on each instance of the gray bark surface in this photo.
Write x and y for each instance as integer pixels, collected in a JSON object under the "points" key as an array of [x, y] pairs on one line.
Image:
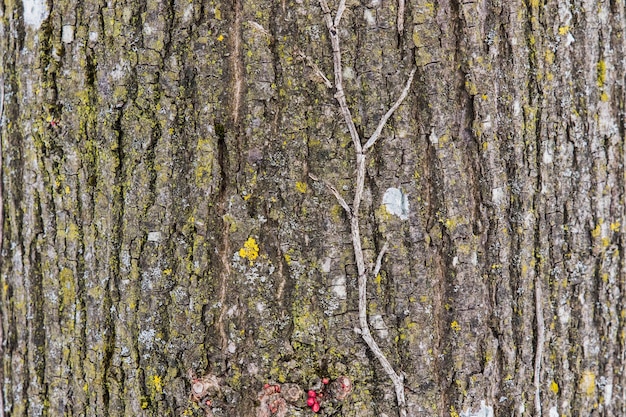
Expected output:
{"points": [[159, 213]]}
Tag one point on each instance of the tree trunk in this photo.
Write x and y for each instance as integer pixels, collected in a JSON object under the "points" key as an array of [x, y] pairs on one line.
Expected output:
{"points": [[167, 207]]}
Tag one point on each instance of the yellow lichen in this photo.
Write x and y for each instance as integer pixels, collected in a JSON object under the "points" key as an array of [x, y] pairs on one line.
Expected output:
{"points": [[597, 230], [554, 387], [301, 187], [158, 385], [250, 250], [455, 326]]}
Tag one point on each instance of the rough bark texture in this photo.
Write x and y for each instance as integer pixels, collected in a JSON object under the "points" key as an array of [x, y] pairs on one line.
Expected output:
{"points": [[158, 214]]}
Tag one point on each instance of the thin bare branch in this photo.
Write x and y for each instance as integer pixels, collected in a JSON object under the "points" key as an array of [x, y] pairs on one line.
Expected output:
{"points": [[397, 379], [383, 121], [333, 190], [379, 259], [340, 95], [314, 67], [340, 10], [400, 17]]}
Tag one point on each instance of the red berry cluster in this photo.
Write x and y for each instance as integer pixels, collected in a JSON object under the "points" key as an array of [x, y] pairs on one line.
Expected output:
{"points": [[314, 397]]}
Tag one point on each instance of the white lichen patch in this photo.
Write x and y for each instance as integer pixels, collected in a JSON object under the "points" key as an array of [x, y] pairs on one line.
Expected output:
{"points": [[35, 12], [338, 287], [396, 203], [67, 34], [433, 138], [326, 265], [147, 338], [369, 17], [378, 324], [498, 195], [484, 411], [154, 236]]}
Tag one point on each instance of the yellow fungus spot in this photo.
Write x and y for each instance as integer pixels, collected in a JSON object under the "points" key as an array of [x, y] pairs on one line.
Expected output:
{"points": [[588, 383], [455, 326], [250, 250], [167, 271], [563, 30], [554, 387], [604, 97], [605, 242], [301, 187], [615, 227], [144, 404], [453, 412], [220, 38], [218, 13]]}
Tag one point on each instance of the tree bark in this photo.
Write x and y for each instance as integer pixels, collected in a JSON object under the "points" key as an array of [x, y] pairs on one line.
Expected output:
{"points": [[160, 216]]}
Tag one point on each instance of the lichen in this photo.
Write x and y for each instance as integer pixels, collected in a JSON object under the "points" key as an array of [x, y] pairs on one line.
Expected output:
{"points": [[250, 250]]}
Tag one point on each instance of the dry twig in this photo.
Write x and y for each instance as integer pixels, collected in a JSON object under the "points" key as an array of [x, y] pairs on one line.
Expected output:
{"points": [[353, 212], [400, 17]]}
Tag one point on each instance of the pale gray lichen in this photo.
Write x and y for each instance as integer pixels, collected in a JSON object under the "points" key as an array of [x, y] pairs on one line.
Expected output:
{"points": [[396, 203]]}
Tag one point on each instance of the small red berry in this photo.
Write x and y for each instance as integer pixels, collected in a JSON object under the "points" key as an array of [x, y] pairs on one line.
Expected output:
{"points": [[325, 381], [311, 394], [208, 402], [316, 407], [310, 401]]}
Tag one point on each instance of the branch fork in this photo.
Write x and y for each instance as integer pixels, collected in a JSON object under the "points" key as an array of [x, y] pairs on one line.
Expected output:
{"points": [[353, 212]]}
